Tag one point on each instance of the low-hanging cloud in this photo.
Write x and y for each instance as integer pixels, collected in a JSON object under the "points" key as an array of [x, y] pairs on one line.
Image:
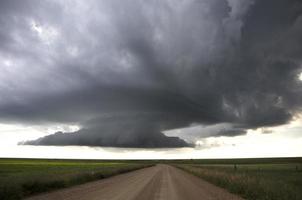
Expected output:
{"points": [[127, 71], [117, 132]]}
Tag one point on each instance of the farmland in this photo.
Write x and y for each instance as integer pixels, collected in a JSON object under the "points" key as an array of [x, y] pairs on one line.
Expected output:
{"points": [[24, 177], [261, 179]]}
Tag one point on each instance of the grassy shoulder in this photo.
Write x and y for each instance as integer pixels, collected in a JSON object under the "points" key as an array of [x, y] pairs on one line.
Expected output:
{"points": [[260, 181], [24, 177]]}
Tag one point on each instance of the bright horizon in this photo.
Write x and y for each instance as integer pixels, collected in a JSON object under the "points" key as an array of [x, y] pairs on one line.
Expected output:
{"points": [[212, 147]]}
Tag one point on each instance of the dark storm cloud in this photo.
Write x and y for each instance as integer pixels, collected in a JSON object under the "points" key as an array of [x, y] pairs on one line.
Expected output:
{"points": [[127, 71], [117, 131]]}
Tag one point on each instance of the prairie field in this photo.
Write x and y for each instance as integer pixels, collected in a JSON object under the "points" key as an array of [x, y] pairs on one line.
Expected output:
{"points": [[254, 179], [24, 177]]}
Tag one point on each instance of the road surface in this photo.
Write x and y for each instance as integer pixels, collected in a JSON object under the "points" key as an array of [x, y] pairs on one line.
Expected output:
{"points": [[161, 182]]}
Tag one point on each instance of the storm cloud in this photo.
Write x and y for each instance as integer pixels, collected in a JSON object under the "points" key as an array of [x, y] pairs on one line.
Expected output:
{"points": [[126, 71], [115, 132]]}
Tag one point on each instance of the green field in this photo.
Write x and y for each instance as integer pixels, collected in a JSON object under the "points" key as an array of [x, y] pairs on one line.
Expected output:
{"points": [[255, 179], [24, 177]]}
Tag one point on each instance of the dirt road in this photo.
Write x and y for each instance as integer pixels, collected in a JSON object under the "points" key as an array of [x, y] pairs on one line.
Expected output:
{"points": [[161, 182]]}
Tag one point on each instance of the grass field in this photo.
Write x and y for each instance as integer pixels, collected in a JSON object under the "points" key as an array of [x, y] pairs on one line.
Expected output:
{"points": [[24, 177], [255, 179]]}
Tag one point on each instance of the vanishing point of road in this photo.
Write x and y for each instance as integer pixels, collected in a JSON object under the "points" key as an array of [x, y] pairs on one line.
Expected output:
{"points": [[161, 182]]}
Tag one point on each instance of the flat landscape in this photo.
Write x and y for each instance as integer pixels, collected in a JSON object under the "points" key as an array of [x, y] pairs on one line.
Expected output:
{"points": [[24, 177], [261, 179], [128, 99], [278, 178], [160, 182]]}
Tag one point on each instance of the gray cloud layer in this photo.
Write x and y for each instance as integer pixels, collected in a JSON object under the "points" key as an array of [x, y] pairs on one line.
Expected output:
{"points": [[126, 71], [115, 131]]}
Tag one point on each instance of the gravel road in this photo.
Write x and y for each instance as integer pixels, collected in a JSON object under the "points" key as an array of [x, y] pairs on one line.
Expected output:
{"points": [[161, 182]]}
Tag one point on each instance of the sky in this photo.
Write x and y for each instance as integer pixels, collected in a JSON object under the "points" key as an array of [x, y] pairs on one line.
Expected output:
{"points": [[150, 79]]}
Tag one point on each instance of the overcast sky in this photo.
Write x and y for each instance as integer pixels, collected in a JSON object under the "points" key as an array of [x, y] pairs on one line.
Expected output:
{"points": [[197, 74]]}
